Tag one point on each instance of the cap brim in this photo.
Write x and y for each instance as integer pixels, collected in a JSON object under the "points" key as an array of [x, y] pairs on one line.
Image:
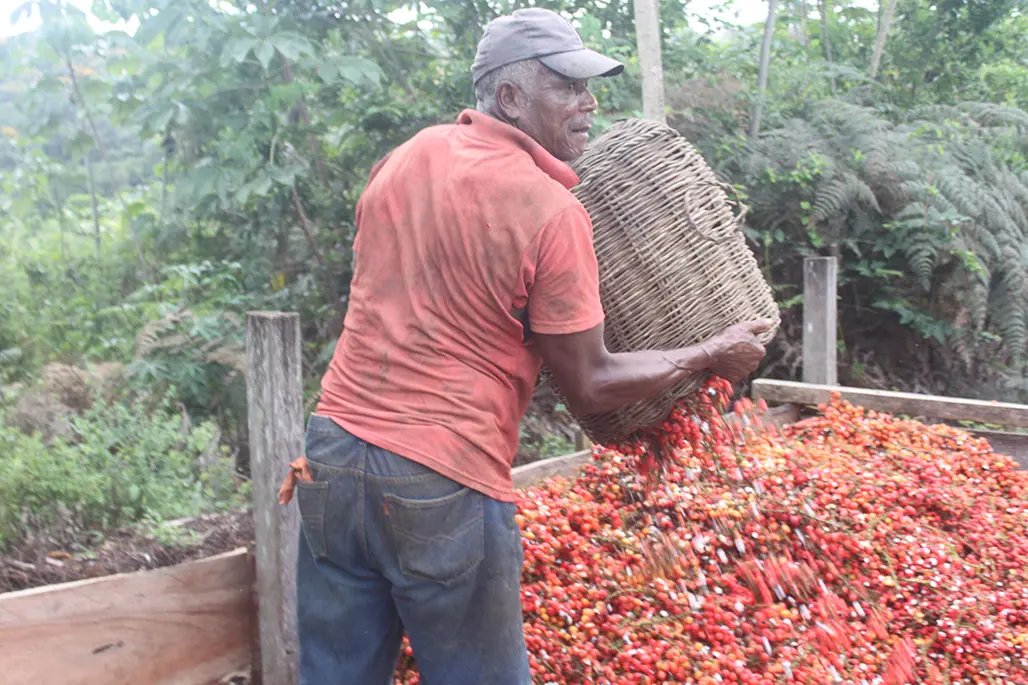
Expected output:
{"points": [[584, 63]]}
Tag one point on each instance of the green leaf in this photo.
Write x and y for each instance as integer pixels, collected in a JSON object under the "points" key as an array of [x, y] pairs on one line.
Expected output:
{"points": [[357, 70], [328, 72], [258, 186], [284, 175], [264, 52], [157, 121], [236, 51], [156, 25], [65, 27], [292, 45]]}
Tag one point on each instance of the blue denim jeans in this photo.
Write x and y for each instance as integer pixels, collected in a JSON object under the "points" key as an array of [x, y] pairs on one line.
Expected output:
{"points": [[391, 546]]}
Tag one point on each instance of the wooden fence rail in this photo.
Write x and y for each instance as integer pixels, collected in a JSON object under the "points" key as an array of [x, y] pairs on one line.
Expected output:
{"points": [[1012, 444], [189, 624], [931, 406]]}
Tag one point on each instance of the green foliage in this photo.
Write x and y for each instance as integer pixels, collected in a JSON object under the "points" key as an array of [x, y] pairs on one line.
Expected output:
{"points": [[189, 339], [928, 217], [117, 467], [544, 444]]}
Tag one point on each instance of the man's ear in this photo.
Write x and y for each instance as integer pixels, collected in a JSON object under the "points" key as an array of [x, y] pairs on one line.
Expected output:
{"points": [[510, 100]]}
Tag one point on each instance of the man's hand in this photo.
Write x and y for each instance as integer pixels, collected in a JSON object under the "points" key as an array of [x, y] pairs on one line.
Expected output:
{"points": [[735, 352]]}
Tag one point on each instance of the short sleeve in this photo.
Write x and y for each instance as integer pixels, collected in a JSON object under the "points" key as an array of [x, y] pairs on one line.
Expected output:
{"points": [[561, 277]]}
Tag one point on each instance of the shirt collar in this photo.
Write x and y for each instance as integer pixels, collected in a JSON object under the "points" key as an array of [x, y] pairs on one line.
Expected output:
{"points": [[489, 128]]}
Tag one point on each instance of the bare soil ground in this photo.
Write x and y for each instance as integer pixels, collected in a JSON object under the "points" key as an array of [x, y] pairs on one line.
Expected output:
{"points": [[33, 564]]}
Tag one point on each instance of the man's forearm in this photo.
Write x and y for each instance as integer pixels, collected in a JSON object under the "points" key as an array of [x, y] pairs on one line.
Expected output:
{"points": [[595, 381], [628, 377]]}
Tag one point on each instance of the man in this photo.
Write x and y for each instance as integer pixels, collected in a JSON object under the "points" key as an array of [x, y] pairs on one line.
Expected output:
{"points": [[474, 264]]}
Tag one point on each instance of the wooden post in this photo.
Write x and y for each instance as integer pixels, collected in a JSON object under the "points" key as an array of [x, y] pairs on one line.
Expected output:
{"points": [[819, 320], [647, 35], [274, 396], [582, 441]]}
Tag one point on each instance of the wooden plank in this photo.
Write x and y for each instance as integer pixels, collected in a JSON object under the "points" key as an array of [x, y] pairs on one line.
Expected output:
{"points": [[1014, 445], [182, 625], [775, 416], [568, 465], [274, 395], [782, 415], [911, 404], [819, 320]]}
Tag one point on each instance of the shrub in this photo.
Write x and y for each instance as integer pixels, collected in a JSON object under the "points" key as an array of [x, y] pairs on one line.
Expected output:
{"points": [[114, 467]]}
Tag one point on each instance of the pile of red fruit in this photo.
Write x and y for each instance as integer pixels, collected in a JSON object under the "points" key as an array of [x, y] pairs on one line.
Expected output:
{"points": [[852, 548]]}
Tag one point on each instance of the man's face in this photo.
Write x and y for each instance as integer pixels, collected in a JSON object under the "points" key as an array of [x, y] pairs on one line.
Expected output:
{"points": [[557, 113]]}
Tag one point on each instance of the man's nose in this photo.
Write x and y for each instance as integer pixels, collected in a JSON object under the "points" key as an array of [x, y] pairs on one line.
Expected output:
{"points": [[587, 102]]}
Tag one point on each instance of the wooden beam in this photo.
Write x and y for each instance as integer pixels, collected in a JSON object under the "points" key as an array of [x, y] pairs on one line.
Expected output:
{"points": [[182, 625], [912, 404], [1014, 445], [568, 465], [274, 396], [819, 320], [775, 416]]}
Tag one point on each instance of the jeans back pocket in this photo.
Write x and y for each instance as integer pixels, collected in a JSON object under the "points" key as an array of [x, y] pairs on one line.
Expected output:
{"points": [[311, 498], [438, 539]]}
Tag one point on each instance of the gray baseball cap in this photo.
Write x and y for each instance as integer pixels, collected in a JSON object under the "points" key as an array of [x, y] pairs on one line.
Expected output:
{"points": [[541, 34]]}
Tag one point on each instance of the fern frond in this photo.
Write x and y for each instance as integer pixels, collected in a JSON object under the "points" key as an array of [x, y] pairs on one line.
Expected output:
{"points": [[960, 191], [1010, 314], [232, 357], [154, 335], [922, 256], [904, 169], [993, 114], [840, 195]]}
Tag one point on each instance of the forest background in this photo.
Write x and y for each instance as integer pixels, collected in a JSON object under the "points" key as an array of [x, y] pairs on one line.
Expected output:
{"points": [[190, 160]]}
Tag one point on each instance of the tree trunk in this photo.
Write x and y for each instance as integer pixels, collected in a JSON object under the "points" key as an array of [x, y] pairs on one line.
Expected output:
{"points": [[647, 34], [765, 61], [884, 22], [823, 9], [804, 34]]}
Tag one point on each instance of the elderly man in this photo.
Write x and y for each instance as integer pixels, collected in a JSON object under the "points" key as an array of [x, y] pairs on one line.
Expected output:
{"points": [[474, 264]]}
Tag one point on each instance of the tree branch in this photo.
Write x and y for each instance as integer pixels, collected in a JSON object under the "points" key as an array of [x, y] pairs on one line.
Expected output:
{"points": [[305, 226], [82, 103], [308, 232]]}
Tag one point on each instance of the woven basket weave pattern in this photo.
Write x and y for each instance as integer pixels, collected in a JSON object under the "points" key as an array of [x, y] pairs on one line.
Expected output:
{"points": [[674, 266]]}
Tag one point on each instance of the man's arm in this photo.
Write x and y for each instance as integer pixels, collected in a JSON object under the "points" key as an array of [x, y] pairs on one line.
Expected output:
{"points": [[594, 380]]}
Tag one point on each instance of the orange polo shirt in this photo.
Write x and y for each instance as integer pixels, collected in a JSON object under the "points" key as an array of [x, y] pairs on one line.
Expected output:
{"points": [[458, 229]]}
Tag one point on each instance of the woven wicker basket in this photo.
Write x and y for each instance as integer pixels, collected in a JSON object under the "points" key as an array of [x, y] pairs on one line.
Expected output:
{"points": [[674, 266]]}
